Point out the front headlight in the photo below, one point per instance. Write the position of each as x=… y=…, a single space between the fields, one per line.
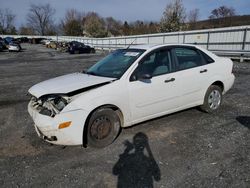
x=52 y=104
x=60 y=102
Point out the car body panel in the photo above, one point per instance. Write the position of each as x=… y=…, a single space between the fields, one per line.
x=67 y=83
x=144 y=102
x=101 y=96
x=47 y=126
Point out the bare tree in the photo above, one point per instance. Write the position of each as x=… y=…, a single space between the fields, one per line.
x=222 y=12
x=173 y=17
x=222 y=15
x=193 y=17
x=40 y=19
x=7 y=22
x=72 y=23
x=113 y=26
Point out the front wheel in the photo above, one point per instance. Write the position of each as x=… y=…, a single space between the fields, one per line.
x=103 y=127
x=213 y=99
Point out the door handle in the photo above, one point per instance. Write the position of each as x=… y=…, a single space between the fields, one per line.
x=169 y=80
x=204 y=70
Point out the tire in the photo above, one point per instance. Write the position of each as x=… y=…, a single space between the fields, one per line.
x=212 y=99
x=103 y=127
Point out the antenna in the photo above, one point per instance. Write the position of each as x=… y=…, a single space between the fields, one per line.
x=131 y=44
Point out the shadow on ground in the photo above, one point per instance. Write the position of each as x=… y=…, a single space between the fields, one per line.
x=244 y=120
x=134 y=168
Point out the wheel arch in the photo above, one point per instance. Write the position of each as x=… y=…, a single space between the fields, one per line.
x=220 y=84
x=111 y=106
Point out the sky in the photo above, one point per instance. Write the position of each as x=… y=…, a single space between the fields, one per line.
x=124 y=10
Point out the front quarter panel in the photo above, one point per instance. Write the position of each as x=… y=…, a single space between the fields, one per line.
x=72 y=135
x=114 y=93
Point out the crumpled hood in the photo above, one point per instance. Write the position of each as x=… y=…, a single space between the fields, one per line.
x=67 y=83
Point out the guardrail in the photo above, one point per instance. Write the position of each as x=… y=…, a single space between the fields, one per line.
x=230 y=41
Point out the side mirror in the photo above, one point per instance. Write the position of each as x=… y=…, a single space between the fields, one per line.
x=145 y=77
x=142 y=77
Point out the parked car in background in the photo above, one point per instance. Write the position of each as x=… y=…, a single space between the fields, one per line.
x=127 y=87
x=45 y=41
x=3 y=44
x=78 y=48
x=20 y=40
x=8 y=40
x=62 y=46
x=23 y=39
x=51 y=44
x=36 y=40
x=14 y=47
x=1 y=47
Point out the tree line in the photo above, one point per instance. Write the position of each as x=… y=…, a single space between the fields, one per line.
x=40 y=21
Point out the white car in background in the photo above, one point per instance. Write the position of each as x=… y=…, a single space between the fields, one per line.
x=46 y=41
x=127 y=87
x=13 y=47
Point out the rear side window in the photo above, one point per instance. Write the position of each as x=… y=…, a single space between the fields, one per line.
x=188 y=58
x=207 y=58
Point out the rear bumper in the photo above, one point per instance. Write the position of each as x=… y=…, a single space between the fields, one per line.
x=228 y=83
x=47 y=127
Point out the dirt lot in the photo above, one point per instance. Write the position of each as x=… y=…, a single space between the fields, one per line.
x=185 y=149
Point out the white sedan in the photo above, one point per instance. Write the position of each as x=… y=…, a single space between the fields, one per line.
x=127 y=87
x=14 y=47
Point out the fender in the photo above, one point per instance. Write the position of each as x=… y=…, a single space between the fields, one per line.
x=92 y=99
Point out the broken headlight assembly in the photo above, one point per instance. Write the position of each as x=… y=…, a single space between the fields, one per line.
x=50 y=105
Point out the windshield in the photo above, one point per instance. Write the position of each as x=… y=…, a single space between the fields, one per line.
x=115 y=64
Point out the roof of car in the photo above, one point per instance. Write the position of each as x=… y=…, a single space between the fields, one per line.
x=155 y=46
x=150 y=46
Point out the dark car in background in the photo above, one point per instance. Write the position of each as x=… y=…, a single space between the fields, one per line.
x=8 y=40
x=78 y=48
x=36 y=40
x=3 y=44
x=22 y=40
x=1 y=47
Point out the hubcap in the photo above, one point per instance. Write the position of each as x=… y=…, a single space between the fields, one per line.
x=101 y=128
x=214 y=99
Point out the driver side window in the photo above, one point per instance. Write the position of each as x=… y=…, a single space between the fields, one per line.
x=154 y=64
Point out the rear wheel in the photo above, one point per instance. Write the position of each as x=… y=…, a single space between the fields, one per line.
x=103 y=127
x=213 y=99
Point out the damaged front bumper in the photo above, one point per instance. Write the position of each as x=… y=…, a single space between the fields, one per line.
x=47 y=127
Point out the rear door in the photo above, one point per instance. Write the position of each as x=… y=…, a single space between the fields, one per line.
x=193 y=72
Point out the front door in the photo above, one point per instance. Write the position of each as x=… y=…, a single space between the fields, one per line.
x=154 y=96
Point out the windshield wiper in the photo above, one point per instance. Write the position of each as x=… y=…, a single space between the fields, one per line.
x=90 y=73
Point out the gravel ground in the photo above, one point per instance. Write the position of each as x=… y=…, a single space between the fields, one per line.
x=184 y=149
